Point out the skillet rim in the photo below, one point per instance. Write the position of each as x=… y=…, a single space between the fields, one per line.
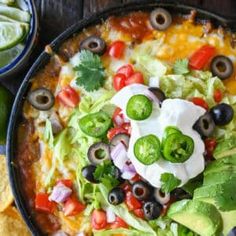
x=43 y=59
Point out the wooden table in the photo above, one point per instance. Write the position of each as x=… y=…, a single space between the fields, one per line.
x=56 y=15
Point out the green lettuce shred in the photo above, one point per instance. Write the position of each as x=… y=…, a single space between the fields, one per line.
x=48 y=134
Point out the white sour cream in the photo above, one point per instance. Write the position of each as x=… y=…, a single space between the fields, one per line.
x=174 y=112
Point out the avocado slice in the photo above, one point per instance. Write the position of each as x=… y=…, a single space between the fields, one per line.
x=201 y=217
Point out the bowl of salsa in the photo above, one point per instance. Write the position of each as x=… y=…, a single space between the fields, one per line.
x=18 y=30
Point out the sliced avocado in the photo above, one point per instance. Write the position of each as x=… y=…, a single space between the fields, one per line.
x=218 y=177
x=201 y=217
x=209 y=191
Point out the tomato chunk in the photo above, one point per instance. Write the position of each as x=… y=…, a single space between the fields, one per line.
x=126 y=70
x=218 y=95
x=118 y=117
x=139 y=213
x=201 y=57
x=136 y=78
x=210 y=145
x=67 y=182
x=119 y=81
x=200 y=102
x=114 y=131
x=116 y=49
x=42 y=203
x=119 y=223
x=68 y=97
x=132 y=202
x=99 y=219
x=73 y=207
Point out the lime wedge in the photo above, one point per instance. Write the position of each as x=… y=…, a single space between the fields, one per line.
x=7 y=56
x=7 y=1
x=15 y=13
x=10 y=34
x=7 y=19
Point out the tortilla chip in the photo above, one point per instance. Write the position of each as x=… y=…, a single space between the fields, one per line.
x=11 y=223
x=6 y=197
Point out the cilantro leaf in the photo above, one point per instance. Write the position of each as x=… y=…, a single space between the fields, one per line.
x=181 y=67
x=106 y=173
x=90 y=71
x=169 y=182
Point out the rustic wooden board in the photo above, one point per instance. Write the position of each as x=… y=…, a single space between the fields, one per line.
x=56 y=15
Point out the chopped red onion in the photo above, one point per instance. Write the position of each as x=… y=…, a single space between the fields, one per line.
x=119 y=121
x=111 y=217
x=128 y=171
x=81 y=234
x=119 y=155
x=60 y=193
x=152 y=96
x=60 y=233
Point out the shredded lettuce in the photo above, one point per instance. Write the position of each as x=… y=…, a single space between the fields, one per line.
x=196 y=84
x=146 y=61
x=48 y=134
x=123 y=231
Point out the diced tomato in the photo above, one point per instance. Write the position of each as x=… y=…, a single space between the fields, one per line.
x=119 y=223
x=67 y=182
x=68 y=97
x=119 y=81
x=99 y=219
x=139 y=213
x=116 y=49
x=114 y=131
x=132 y=202
x=126 y=187
x=136 y=178
x=218 y=95
x=42 y=203
x=73 y=207
x=136 y=78
x=200 y=102
x=201 y=57
x=126 y=70
x=127 y=127
x=210 y=145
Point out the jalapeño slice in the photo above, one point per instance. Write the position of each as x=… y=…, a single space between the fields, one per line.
x=177 y=148
x=147 y=149
x=96 y=124
x=139 y=107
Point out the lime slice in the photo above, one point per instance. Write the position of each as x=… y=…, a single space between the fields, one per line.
x=7 y=19
x=15 y=13
x=10 y=34
x=5 y=108
x=7 y=1
x=7 y=56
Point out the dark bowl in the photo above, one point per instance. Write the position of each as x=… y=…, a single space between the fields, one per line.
x=19 y=63
x=43 y=59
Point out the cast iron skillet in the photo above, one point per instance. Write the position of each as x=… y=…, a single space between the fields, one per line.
x=146 y=5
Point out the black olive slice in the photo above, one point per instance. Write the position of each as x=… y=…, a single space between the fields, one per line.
x=160 y=19
x=205 y=125
x=124 y=138
x=116 y=196
x=180 y=194
x=232 y=232
x=158 y=93
x=222 y=67
x=98 y=153
x=41 y=99
x=222 y=114
x=94 y=44
x=161 y=197
x=141 y=190
x=88 y=172
x=152 y=210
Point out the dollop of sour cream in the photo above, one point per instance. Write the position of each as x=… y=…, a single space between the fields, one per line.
x=173 y=112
